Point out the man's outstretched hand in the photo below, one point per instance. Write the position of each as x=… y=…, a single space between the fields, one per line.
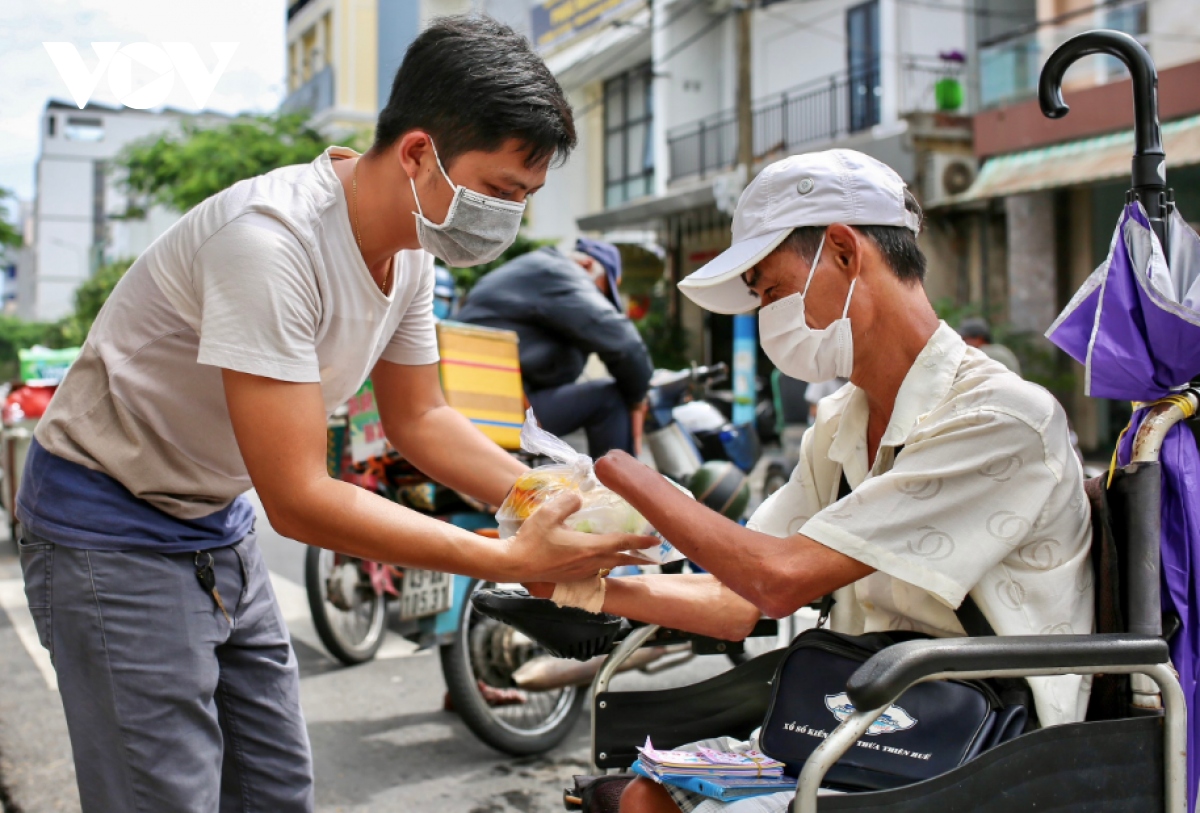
x=670 y=511
x=545 y=550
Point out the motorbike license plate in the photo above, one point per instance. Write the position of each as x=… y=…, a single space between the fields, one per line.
x=425 y=592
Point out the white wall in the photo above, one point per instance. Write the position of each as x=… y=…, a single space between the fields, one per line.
x=64 y=234
x=64 y=205
x=1174 y=32
x=701 y=75
x=575 y=188
x=796 y=43
x=923 y=32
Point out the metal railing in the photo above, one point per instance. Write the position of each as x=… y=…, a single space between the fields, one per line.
x=822 y=110
x=314 y=95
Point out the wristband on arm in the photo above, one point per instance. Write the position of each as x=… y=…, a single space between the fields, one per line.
x=586 y=594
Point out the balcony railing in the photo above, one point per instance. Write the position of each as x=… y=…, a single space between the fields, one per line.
x=314 y=95
x=823 y=110
x=1009 y=65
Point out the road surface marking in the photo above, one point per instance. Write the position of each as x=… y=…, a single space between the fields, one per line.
x=293 y=602
x=12 y=599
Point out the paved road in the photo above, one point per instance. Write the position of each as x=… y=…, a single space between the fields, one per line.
x=381 y=741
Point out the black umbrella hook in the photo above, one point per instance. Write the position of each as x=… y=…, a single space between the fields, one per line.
x=1149 y=173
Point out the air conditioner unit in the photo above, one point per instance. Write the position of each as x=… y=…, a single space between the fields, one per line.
x=947 y=175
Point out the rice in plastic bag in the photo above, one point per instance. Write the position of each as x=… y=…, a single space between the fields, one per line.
x=603 y=510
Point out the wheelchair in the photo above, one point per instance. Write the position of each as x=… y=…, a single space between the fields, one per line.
x=1128 y=755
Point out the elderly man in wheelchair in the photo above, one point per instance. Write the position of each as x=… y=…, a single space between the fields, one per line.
x=937 y=493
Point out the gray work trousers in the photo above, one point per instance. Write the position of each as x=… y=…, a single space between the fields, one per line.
x=170 y=707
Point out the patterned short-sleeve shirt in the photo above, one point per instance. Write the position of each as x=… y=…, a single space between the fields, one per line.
x=975 y=489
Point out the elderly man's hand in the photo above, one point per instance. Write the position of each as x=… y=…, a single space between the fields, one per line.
x=621 y=471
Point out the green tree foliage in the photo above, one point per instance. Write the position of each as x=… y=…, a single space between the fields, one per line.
x=10 y=233
x=182 y=169
x=665 y=338
x=17 y=334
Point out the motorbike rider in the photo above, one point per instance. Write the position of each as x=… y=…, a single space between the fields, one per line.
x=213 y=367
x=564 y=308
x=962 y=477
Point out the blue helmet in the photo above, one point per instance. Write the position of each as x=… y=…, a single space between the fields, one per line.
x=444 y=294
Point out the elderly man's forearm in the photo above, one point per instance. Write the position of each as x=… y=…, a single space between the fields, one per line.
x=693 y=603
x=777 y=575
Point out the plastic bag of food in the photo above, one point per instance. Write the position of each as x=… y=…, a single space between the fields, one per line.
x=603 y=510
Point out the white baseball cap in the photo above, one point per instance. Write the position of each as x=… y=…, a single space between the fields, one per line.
x=813 y=189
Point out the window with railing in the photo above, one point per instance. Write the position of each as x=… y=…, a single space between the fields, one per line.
x=1009 y=64
x=628 y=140
x=821 y=110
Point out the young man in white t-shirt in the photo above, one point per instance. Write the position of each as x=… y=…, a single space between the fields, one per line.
x=213 y=368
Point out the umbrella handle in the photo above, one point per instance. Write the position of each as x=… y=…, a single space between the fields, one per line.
x=1149 y=173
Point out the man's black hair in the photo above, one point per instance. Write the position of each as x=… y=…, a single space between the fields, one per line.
x=897 y=244
x=472 y=83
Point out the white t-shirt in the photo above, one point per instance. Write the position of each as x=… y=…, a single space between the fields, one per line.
x=262 y=278
x=986 y=497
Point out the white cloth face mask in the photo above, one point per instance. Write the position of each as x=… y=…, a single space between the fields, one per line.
x=800 y=351
x=477 y=229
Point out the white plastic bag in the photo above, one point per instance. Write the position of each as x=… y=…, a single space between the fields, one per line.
x=603 y=510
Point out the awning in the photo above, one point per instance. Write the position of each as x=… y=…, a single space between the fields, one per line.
x=648 y=212
x=1075 y=163
x=579 y=63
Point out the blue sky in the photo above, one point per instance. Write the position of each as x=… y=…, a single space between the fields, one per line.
x=254 y=80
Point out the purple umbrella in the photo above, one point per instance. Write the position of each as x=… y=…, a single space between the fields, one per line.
x=1135 y=327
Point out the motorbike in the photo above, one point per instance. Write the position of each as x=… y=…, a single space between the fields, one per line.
x=508 y=690
x=693 y=443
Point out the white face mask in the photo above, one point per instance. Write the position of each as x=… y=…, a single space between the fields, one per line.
x=800 y=351
x=477 y=227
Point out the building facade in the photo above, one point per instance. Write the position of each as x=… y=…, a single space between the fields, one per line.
x=79 y=216
x=343 y=54
x=655 y=86
x=1042 y=211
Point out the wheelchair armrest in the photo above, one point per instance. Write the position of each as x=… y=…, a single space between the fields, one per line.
x=764 y=628
x=887 y=674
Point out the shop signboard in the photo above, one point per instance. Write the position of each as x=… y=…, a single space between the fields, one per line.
x=557 y=23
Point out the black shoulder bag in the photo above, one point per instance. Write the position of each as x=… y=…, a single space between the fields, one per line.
x=930 y=729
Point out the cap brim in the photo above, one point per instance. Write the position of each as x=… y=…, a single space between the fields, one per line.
x=718 y=286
